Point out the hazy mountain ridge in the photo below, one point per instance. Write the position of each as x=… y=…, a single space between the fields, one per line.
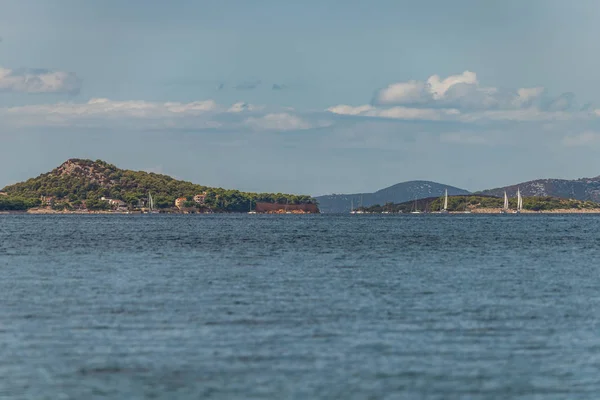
x=579 y=189
x=398 y=193
x=583 y=189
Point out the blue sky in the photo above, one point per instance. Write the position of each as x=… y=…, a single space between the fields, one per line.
x=313 y=97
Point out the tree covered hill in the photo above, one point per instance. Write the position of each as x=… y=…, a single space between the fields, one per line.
x=79 y=181
x=398 y=193
x=475 y=202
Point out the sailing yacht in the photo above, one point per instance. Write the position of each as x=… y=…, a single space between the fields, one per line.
x=360 y=210
x=505 y=207
x=151 y=208
x=352 y=211
x=445 y=209
x=415 y=210
x=286 y=206
x=519 y=202
x=250 y=210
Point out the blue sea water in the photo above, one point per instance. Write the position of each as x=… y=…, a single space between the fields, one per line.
x=300 y=307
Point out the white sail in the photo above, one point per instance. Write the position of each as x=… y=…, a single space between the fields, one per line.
x=505 y=201
x=151 y=208
x=446 y=200
x=519 y=200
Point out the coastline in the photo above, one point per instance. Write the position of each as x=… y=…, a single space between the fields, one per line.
x=473 y=211
x=556 y=211
x=49 y=211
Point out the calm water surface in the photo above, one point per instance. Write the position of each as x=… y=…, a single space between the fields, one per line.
x=296 y=307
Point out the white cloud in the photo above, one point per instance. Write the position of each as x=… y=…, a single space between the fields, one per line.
x=438 y=87
x=583 y=139
x=464 y=92
x=411 y=92
x=434 y=89
x=344 y=109
x=525 y=115
x=526 y=96
x=407 y=113
x=38 y=81
x=278 y=122
x=131 y=114
x=461 y=98
x=142 y=114
x=105 y=108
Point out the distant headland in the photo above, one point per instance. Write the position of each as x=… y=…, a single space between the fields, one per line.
x=485 y=204
x=586 y=190
x=86 y=186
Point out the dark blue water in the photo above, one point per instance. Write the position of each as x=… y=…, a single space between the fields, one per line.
x=300 y=307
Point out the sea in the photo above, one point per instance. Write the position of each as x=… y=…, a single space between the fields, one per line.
x=299 y=307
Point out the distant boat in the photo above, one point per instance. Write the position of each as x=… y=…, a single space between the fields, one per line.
x=286 y=206
x=415 y=208
x=360 y=210
x=445 y=209
x=151 y=209
x=352 y=207
x=505 y=207
x=519 y=202
x=250 y=211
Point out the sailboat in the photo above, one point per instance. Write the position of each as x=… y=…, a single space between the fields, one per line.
x=360 y=210
x=505 y=206
x=415 y=210
x=151 y=209
x=352 y=207
x=287 y=201
x=519 y=202
x=445 y=209
x=250 y=211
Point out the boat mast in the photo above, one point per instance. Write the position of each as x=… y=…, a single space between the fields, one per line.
x=446 y=201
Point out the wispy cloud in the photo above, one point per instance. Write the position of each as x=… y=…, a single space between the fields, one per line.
x=278 y=122
x=38 y=81
x=197 y=115
x=278 y=86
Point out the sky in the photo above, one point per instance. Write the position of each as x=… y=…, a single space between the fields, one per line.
x=312 y=97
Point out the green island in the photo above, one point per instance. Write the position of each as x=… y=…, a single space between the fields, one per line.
x=97 y=186
x=485 y=204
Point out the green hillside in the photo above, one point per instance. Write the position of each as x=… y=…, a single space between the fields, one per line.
x=84 y=182
x=474 y=202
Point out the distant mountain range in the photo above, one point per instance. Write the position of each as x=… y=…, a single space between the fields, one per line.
x=399 y=193
x=584 y=189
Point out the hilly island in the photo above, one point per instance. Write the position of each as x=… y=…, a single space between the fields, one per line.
x=80 y=185
x=485 y=204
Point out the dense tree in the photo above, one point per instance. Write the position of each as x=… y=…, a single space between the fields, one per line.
x=8 y=203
